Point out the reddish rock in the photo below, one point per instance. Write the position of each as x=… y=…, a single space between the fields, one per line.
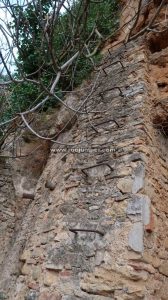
x=151 y=226
x=66 y=273
x=144 y=267
x=33 y=285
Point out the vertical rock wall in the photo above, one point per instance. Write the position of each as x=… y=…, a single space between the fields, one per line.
x=108 y=192
x=18 y=179
x=7 y=207
x=97 y=228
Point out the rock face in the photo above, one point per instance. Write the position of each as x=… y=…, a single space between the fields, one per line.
x=99 y=230
x=7 y=207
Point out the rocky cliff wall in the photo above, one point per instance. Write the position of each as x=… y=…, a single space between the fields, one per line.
x=97 y=226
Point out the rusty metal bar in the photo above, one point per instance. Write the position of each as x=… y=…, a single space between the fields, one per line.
x=93 y=127
x=104 y=72
x=109 y=52
x=115 y=87
x=75 y=230
x=113 y=63
x=28 y=196
x=94 y=166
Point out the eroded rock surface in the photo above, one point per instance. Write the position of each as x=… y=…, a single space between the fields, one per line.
x=97 y=228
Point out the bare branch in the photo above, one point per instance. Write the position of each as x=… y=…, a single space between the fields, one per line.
x=150 y=23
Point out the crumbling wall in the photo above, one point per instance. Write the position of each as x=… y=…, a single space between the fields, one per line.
x=97 y=228
x=7 y=207
x=106 y=191
x=18 y=178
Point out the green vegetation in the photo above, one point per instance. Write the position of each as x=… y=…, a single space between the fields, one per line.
x=41 y=60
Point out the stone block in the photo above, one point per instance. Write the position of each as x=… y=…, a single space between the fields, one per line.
x=125 y=185
x=140 y=205
x=135 y=240
x=26 y=269
x=25 y=255
x=50 y=277
x=146 y=210
x=138 y=182
x=163 y=269
x=2 y=296
x=32 y=295
x=36 y=272
x=54 y=267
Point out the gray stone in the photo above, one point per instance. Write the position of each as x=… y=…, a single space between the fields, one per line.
x=54 y=267
x=2 y=199
x=138 y=182
x=140 y=205
x=146 y=210
x=94 y=207
x=135 y=240
x=66 y=209
x=135 y=157
x=32 y=295
x=134 y=89
x=125 y=185
x=99 y=258
x=134 y=207
x=2 y=296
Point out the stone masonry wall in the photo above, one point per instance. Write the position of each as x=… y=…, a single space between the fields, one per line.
x=109 y=189
x=97 y=228
x=17 y=177
x=6 y=207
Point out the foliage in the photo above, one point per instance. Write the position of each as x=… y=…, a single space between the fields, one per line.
x=30 y=54
x=35 y=54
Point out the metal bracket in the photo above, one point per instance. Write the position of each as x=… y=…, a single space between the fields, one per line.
x=116 y=62
x=75 y=230
x=94 y=166
x=115 y=87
